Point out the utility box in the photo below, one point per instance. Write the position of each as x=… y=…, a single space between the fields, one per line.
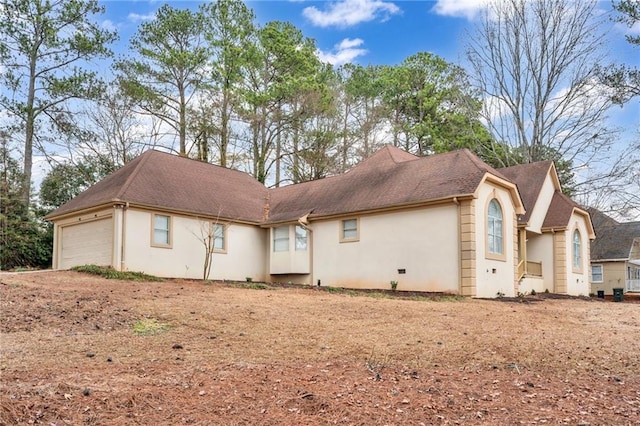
x=618 y=294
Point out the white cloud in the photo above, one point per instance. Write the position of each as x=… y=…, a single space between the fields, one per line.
x=346 y=13
x=460 y=8
x=344 y=52
x=108 y=25
x=135 y=17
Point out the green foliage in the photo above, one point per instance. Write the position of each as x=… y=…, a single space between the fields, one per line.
x=394 y=285
x=112 y=274
x=43 y=45
x=147 y=326
x=25 y=241
x=629 y=15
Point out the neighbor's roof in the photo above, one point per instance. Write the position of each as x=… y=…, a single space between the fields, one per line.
x=157 y=179
x=613 y=240
x=529 y=178
x=389 y=178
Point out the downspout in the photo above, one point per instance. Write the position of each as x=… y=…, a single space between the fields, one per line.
x=459 y=242
x=123 y=263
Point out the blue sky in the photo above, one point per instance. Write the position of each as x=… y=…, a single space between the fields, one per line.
x=383 y=32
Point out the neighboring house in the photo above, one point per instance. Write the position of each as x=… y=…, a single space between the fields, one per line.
x=615 y=254
x=444 y=223
x=553 y=235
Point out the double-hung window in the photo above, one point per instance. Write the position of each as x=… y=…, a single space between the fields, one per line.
x=219 y=237
x=281 y=238
x=596 y=273
x=301 y=238
x=161 y=230
x=349 y=231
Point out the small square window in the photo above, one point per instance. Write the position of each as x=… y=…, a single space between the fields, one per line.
x=161 y=230
x=349 y=230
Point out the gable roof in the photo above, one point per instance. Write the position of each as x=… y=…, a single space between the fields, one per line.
x=529 y=178
x=614 y=240
x=560 y=211
x=158 y=179
x=389 y=178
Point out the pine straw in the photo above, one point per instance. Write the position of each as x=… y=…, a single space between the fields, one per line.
x=294 y=356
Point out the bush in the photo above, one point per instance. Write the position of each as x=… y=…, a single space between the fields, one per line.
x=112 y=274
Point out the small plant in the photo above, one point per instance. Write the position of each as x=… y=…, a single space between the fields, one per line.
x=533 y=292
x=546 y=290
x=249 y=279
x=500 y=294
x=394 y=285
x=148 y=326
x=112 y=274
x=522 y=295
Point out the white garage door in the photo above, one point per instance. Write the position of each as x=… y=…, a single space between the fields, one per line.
x=89 y=243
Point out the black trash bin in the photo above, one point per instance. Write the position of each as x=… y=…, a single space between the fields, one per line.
x=600 y=294
x=618 y=294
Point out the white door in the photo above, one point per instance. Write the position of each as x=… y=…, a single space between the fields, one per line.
x=89 y=243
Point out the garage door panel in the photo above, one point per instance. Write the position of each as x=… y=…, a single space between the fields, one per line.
x=87 y=243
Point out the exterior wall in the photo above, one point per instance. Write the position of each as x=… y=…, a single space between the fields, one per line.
x=561 y=265
x=60 y=225
x=495 y=276
x=540 y=209
x=244 y=257
x=614 y=275
x=424 y=242
x=578 y=279
x=531 y=283
x=540 y=249
x=291 y=261
x=468 y=247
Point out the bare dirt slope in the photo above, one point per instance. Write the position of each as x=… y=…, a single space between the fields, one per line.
x=70 y=354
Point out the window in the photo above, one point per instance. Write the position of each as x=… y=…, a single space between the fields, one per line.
x=349 y=230
x=301 y=238
x=161 y=230
x=577 y=250
x=494 y=228
x=281 y=238
x=596 y=273
x=219 y=240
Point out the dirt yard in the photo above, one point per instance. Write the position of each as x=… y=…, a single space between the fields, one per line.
x=80 y=350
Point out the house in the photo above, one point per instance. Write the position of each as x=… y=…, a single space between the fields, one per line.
x=444 y=223
x=615 y=254
x=553 y=234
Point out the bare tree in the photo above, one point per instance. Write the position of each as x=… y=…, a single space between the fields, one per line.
x=536 y=63
x=213 y=234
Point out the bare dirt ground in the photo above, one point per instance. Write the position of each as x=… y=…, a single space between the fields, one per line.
x=73 y=351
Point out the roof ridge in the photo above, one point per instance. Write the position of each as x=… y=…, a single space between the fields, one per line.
x=143 y=159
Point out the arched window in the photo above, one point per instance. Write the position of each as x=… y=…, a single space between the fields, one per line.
x=494 y=228
x=577 y=250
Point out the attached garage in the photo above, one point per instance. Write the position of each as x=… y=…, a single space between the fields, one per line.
x=86 y=243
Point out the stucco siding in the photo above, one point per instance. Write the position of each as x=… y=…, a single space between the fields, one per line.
x=536 y=219
x=540 y=249
x=578 y=278
x=423 y=242
x=495 y=276
x=244 y=257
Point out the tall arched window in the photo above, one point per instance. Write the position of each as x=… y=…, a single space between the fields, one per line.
x=494 y=228
x=577 y=250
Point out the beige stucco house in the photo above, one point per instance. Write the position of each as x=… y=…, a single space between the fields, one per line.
x=615 y=255
x=444 y=223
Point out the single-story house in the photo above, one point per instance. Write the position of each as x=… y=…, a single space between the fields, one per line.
x=615 y=254
x=444 y=223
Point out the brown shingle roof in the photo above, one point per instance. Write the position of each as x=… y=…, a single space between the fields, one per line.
x=163 y=180
x=529 y=178
x=560 y=210
x=389 y=178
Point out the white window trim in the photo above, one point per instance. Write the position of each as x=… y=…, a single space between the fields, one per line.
x=576 y=268
x=306 y=238
x=224 y=238
x=501 y=255
x=601 y=273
